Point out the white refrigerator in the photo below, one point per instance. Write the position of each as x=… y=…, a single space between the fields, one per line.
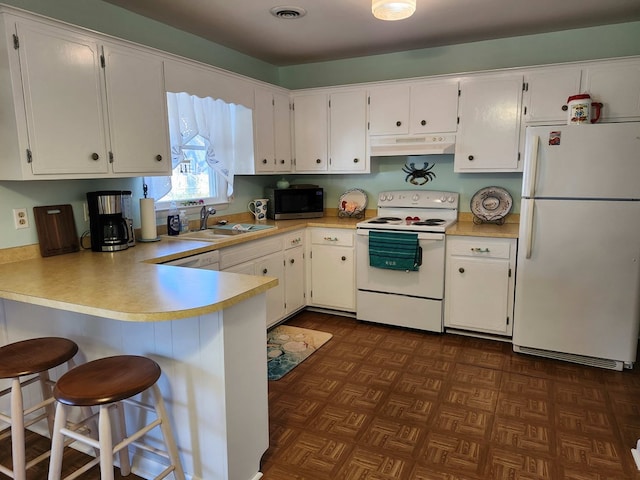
x=578 y=269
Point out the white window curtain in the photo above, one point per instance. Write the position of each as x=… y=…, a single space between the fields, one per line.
x=214 y=120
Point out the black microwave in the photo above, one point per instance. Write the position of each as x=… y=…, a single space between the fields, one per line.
x=297 y=201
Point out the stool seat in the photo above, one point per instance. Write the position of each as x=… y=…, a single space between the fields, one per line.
x=23 y=364
x=106 y=380
x=109 y=384
x=35 y=355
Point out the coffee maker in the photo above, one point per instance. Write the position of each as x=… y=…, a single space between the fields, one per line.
x=110 y=220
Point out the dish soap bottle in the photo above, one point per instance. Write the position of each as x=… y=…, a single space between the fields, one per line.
x=184 y=222
x=173 y=220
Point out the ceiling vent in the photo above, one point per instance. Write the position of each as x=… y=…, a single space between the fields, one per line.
x=288 y=13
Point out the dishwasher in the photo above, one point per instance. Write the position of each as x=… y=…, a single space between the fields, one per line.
x=205 y=261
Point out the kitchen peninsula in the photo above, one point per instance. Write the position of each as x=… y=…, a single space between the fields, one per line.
x=204 y=328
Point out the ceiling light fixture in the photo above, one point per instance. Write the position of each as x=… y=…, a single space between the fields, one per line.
x=393 y=9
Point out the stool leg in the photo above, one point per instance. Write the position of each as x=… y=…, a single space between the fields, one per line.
x=57 y=443
x=45 y=388
x=106 y=444
x=169 y=440
x=17 y=431
x=125 y=463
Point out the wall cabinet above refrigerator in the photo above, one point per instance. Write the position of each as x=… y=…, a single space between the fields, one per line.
x=614 y=83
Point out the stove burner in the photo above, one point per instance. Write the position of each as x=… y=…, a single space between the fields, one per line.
x=385 y=220
x=430 y=222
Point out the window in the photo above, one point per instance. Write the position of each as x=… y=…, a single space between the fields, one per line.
x=208 y=139
x=193 y=179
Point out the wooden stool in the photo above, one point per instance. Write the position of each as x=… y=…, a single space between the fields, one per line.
x=30 y=357
x=108 y=383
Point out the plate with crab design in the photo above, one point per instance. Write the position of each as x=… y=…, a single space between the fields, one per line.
x=491 y=204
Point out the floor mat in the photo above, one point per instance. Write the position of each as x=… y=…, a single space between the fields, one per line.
x=287 y=347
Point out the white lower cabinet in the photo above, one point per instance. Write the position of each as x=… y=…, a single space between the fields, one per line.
x=332 y=269
x=294 y=292
x=479 y=284
x=281 y=257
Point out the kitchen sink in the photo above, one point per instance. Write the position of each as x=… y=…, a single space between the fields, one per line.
x=216 y=234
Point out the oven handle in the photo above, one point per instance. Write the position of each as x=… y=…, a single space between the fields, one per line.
x=421 y=235
x=419 y=256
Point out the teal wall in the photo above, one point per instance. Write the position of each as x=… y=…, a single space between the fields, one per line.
x=112 y=20
x=581 y=44
x=387 y=174
x=570 y=45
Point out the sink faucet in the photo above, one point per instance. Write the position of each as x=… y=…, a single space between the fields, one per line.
x=204 y=216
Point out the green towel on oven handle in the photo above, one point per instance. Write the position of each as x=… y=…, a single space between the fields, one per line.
x=394 y=251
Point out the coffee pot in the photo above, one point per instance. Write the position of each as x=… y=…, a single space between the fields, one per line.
x=110 y=229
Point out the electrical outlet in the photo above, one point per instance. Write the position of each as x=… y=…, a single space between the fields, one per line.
x=20 y=218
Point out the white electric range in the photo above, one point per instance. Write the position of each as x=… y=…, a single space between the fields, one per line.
x=410 y=298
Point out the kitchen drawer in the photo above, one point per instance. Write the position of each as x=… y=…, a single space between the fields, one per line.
x=338 y=237
x=294 y=239
x=248 y=251
x=479 y=247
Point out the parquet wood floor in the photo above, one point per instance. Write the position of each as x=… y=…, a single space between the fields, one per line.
x=73 y=460
x=385 y=403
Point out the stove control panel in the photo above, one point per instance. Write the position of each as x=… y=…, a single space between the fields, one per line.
x=418 y=198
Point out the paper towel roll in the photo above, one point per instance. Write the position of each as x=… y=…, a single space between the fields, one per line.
x=149 y=229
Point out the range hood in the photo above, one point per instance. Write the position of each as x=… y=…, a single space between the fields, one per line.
x=392 y=145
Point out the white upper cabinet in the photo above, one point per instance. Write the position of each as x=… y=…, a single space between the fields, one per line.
x=311 y=132
x=348 y=131
x=69 y=115
x=415 y=108
x=389 y=110
x=137 y=107
x=330 y=132
x=546 y=94
x=60 y=75
x=434 y=107
x=272 y=131
x=616 y=84
x=489 y=128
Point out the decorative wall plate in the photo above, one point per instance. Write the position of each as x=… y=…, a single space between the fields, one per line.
x=491 y=204
x=352 y=203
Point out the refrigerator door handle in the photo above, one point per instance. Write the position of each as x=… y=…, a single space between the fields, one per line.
x=531 y=169
x=527 y=209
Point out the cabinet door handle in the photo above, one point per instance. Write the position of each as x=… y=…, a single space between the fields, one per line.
x=355 y=160
x=470 y=158
x=264 y=161
x=331 y=239
x=158 y=158
x=264 y=271
x=565 y=108
x=480 y=250
x=282 y=161
x=461 y=270
x=292 y=261
x=344 y=258
x=95 y=156
x=398 y=123
x=423 y=123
